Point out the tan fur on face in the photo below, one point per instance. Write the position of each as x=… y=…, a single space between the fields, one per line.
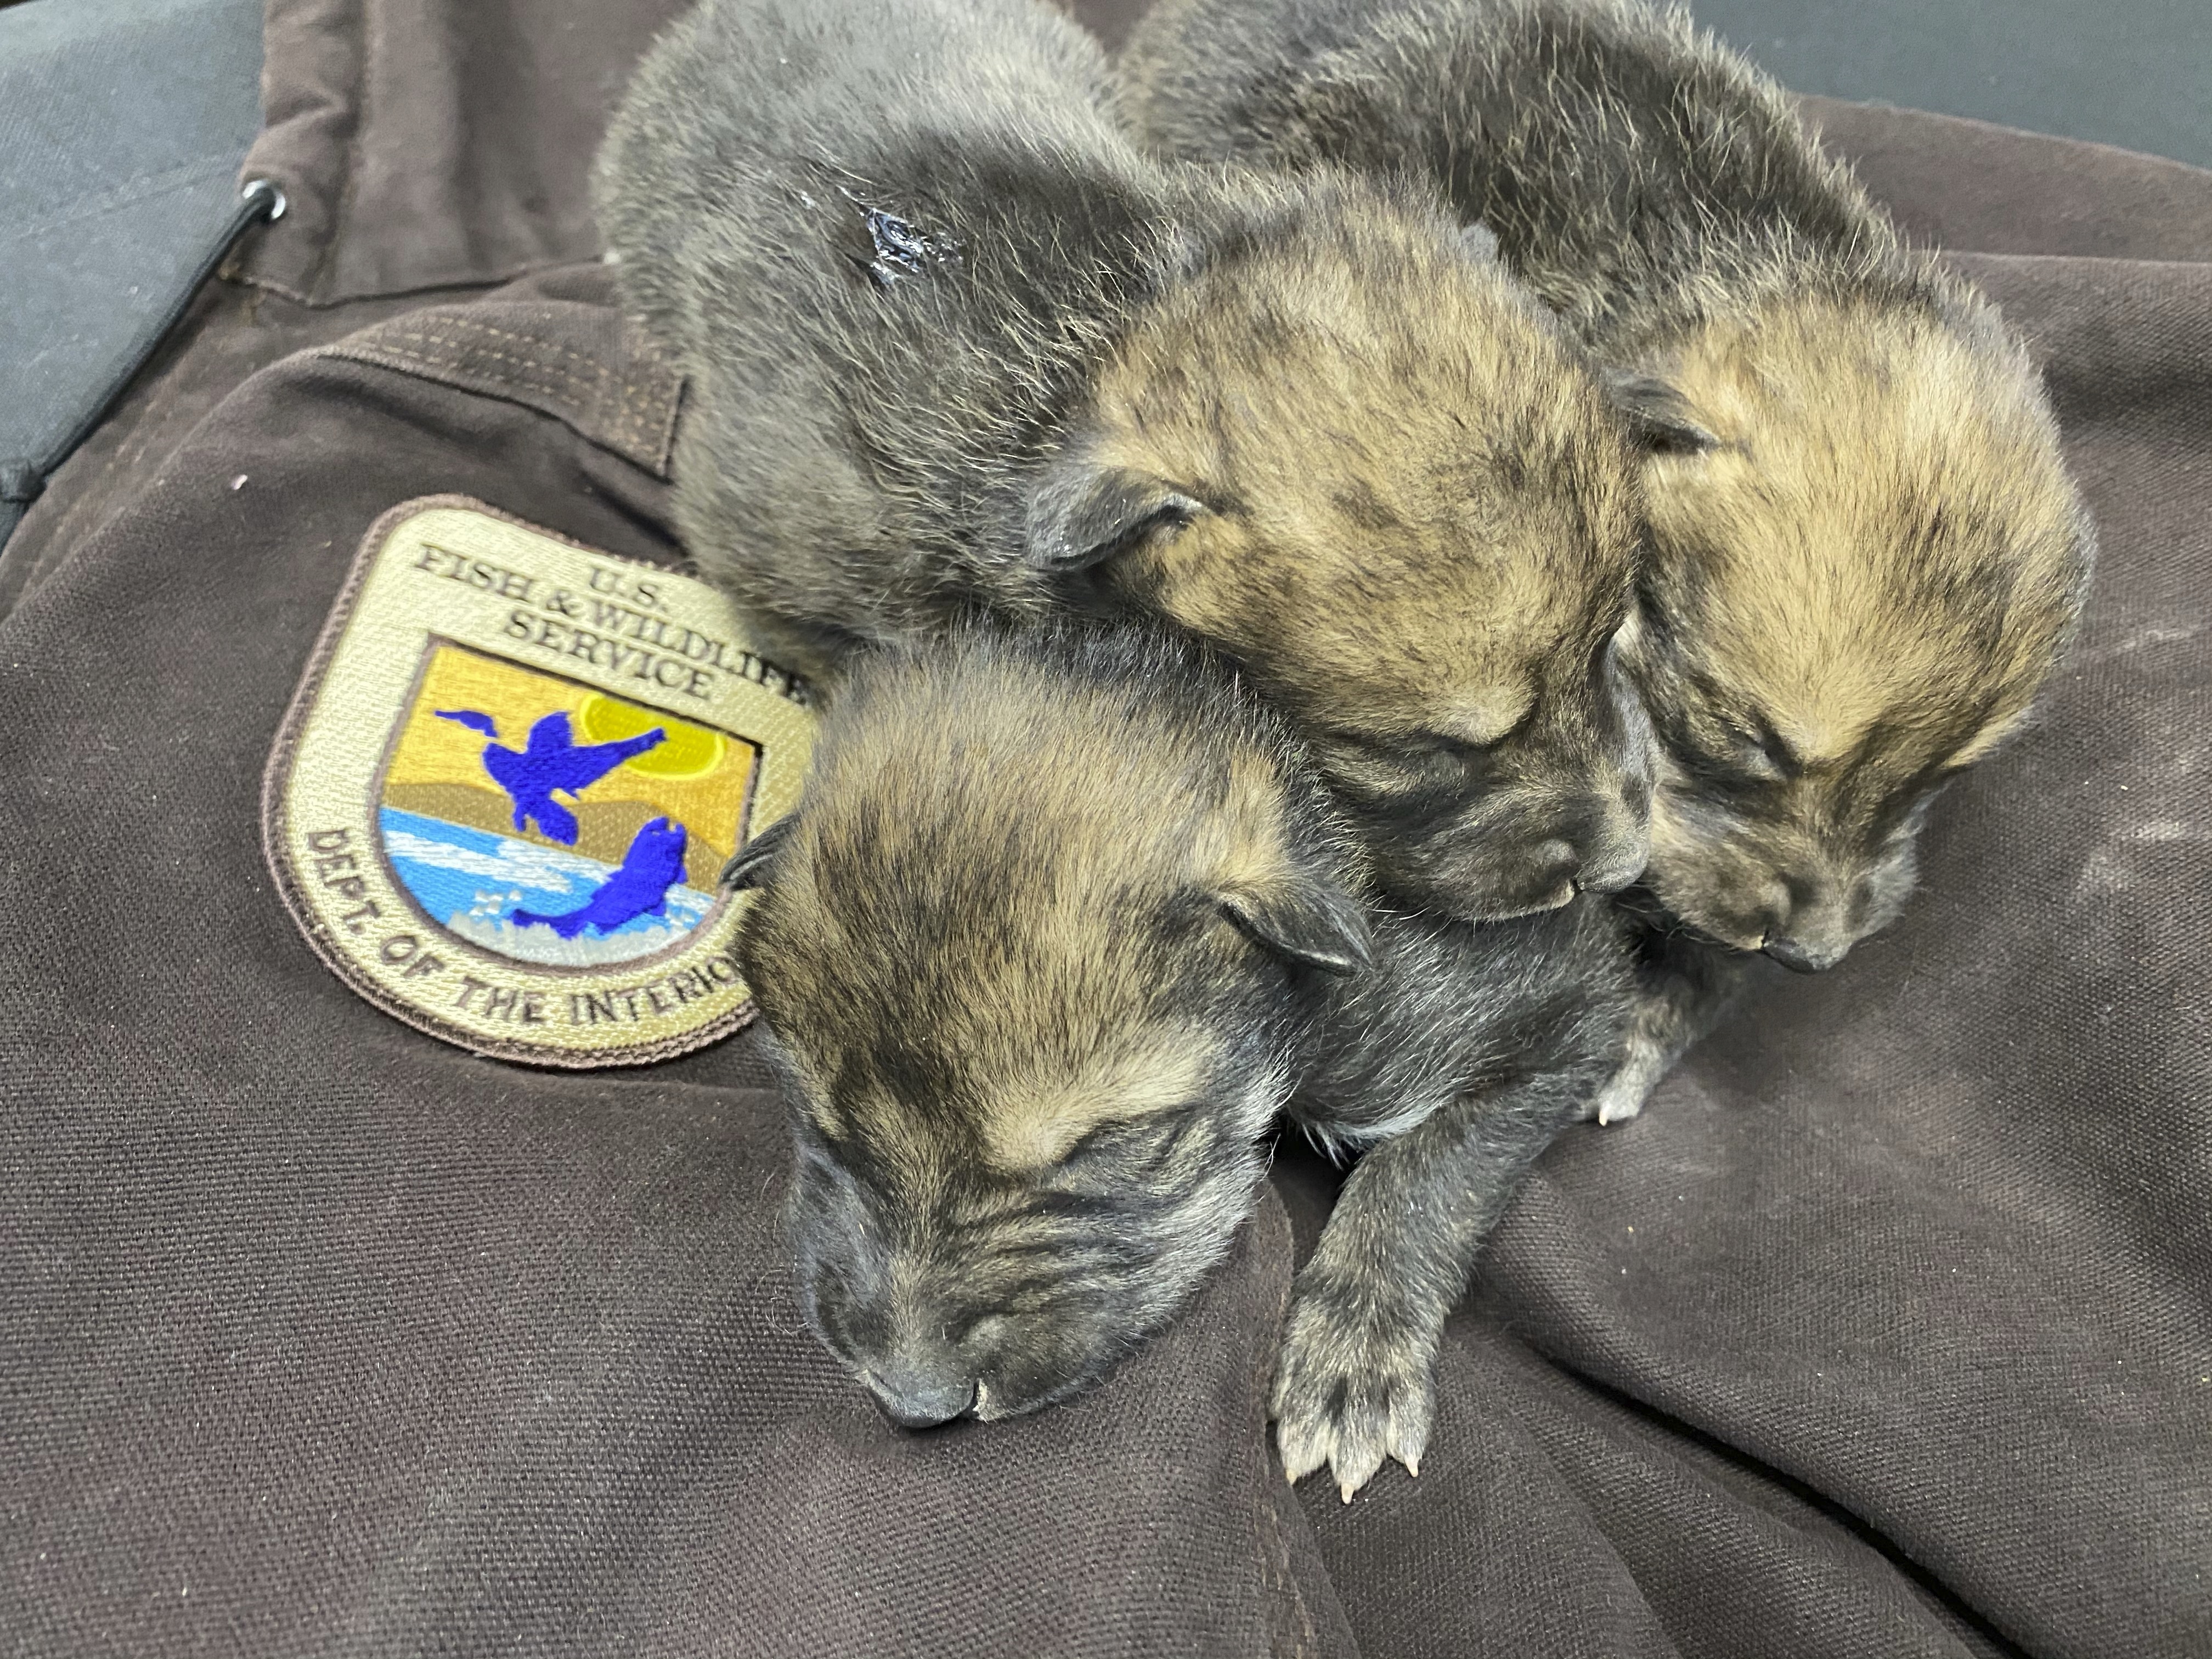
x=1035 y=1003
x=1036 y=1124
x=1872 y=469
x=1867 y=582
x=1419 y=499
x=1877 y=564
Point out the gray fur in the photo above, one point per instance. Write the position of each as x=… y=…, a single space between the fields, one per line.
x=1869 y=414
x=1056 y=833
x=1481 y=1043
x=930 y=302
x=863 y=432
x=1636 y=175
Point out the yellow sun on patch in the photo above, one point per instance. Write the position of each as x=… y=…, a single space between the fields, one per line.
x=687 y=751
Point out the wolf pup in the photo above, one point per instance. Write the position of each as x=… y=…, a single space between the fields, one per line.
x=953 y=344
x=1061 y=922
x=1867 y=553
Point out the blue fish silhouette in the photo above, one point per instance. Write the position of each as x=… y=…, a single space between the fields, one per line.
x=653 y=864
x=552 y=760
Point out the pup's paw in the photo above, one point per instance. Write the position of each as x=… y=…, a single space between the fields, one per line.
x=1349 y=1391
x=1623 y=1096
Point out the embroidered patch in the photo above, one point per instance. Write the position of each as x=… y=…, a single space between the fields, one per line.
x=508 y=785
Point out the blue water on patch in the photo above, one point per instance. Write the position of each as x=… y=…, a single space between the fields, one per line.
x=473 y=881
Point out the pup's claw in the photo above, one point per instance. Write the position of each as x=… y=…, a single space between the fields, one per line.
x=1350 y=1392
x=1303 y=1451
x=1616 y=1104
x=1354 y=1462
x=1627 y=1089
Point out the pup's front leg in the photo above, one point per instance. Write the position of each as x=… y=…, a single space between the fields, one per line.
x=1354 y=1384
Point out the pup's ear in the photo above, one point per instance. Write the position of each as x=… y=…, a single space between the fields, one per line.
x=1303 y=918
x=1480 y=241
x=750 y=868
x=1658 y=416
x=1085 y=513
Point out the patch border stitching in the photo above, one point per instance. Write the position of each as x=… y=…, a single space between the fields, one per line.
x=276 y=829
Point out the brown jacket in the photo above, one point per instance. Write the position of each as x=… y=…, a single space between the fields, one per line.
x=1883 y=1332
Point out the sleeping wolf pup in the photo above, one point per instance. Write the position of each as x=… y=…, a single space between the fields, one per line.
x=1062 y=921
x=1866 y=552
x=952 y=342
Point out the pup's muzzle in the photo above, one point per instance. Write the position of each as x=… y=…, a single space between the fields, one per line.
x=918 y=1402
x=1800 y=957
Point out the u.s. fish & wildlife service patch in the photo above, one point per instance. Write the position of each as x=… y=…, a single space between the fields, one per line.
x=508 y=782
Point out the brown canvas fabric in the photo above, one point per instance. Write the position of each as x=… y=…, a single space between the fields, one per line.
x=324 y=1336
x=1885 y=1332
x=1958 y=183
x=425 y=143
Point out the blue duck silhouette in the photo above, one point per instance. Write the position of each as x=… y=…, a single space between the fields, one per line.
x=551 y=760
x=653 y=864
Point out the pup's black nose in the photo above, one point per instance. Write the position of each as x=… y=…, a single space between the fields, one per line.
x=921 y=1405
x=1800 y=958
x=1610 y=868
x=1548 y=875
x=1614 y=847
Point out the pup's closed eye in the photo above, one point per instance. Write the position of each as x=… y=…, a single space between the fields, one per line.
x=1738 y=749
x=1446 y=745
x=1760 y=751
x=1117 y=1157
x=1396 y=749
